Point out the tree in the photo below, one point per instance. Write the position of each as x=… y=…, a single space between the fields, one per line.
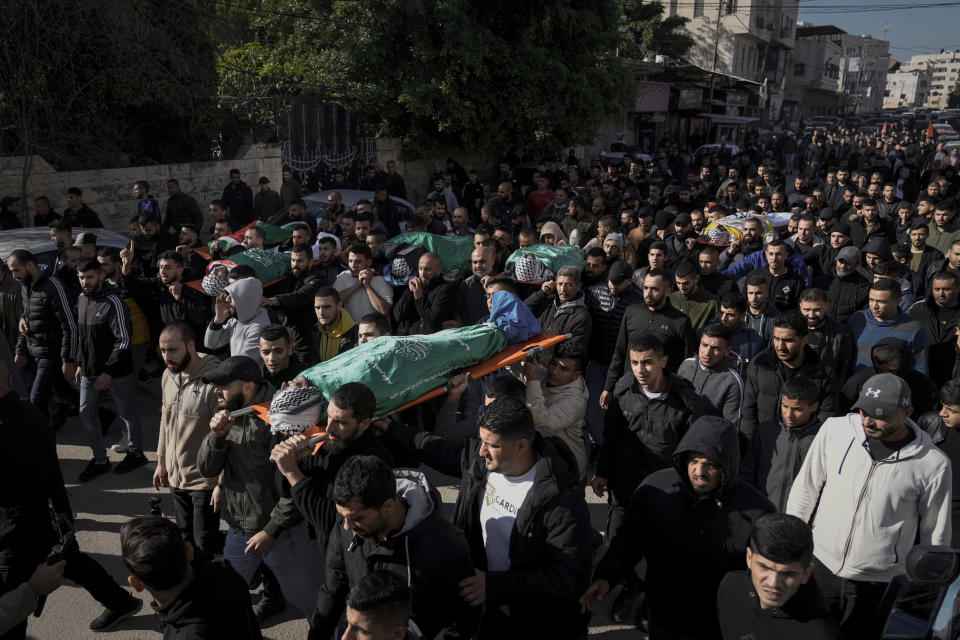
x=107 y=83
x=647 y=33
x=443 y=74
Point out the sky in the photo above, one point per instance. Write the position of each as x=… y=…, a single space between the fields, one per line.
x=911 y=30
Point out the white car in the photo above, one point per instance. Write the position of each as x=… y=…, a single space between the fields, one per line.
x=37 y=241
x=317 y=202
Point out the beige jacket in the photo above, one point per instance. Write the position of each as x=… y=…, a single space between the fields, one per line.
x=562 y=410
x=188 y=406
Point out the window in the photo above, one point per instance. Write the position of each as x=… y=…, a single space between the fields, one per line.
x=799 y=69
x=697 y=8
x=673 y=8
x=731 y=6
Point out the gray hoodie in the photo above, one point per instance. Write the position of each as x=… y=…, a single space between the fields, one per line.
x=242 y=331
x=720 y=388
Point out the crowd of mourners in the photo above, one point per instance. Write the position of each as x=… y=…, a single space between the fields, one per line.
x=770 y=417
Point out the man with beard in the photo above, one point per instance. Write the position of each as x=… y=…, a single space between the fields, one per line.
x=829 y=338
x=751 y=242
x=471 y=293
x=262 y=526
x=104 y=362
x=429 y=300
x=296 y=299
x=393 y=520
x=47 y=328
x=939 y=313
x=194 y=265
x=149 y=244
x=188 y=406
x=595 y=268
x=561 y=307
x=165 y=297
x=309 y=479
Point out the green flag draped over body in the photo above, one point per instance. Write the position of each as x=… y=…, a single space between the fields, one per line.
x=268 y=265
x=554 y=258
x=454 y=251
x=399 y=369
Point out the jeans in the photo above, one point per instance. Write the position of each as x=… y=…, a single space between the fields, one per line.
x=47 y=369
x=295 y=559
x=198 y=522
x=596 y=377
x=852 y=603
x=123 y=390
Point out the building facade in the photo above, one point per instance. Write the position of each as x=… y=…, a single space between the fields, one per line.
x=945 y=75
x=908 y=88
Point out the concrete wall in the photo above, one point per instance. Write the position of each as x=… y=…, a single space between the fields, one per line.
x=109 y=192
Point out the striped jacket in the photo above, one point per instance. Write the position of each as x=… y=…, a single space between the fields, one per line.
x=103 y=334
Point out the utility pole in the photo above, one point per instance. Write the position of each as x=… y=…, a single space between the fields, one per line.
x=716 y=55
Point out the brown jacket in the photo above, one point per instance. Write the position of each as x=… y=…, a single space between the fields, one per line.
x=188 y=406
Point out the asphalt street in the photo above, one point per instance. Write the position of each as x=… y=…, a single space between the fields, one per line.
x=104 y=504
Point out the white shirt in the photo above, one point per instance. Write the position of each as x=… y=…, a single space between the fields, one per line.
x=359 y=303
x=498 y=514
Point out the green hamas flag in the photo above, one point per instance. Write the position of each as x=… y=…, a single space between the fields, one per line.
x=274 y=236
x=399 y=369
x=454 y=251
x=554 y=258
x=269 y=265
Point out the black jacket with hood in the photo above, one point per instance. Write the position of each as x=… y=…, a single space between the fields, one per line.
x=774 y=457
x=923 y=392
x=765 y=377
x=215 y=605
x=640 y=434
x=690 y=541
x=428 y=553
x=550 y=544
x=804 y=617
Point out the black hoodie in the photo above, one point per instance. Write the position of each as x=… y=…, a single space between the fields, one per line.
x=428 y=553
x=923 y=392
x=689 y=541
x=215 y=605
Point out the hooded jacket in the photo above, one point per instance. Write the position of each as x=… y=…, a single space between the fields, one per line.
x=774 y=457
x=923 y=392
x=870 y=513
x=940 y=325
x=683 y=534
x=215 y=605
x=428 y=553
x=550 y=545
x=867 y=331
x=241 y=332
x=103 y=334
x=670 y=325
x=804 y=617
x=641 y=434
x=252 y=501
x=720 y=388
x=188 y=404
x=554 y=229
x=562 y=317
x=764 y=381
x=49 y=315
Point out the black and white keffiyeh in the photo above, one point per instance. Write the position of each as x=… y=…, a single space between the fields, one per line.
x=295 y=410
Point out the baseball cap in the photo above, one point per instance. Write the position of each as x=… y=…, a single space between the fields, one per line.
x=849 y=255
x=828 y=213
x=882 y=394
x=232 y=369
x=85 y=238
x=619 y=272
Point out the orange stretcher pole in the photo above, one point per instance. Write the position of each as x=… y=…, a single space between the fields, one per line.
x=511 y=355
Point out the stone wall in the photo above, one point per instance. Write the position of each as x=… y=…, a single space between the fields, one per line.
x=417 y=172
x=109 y=192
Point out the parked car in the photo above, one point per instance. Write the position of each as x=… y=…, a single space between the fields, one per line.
x=37 y=241
x=317 y=205
x=924 y=602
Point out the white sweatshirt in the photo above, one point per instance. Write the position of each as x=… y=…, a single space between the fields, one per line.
x=871 y=512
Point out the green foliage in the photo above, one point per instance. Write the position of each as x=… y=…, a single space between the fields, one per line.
x=647 y=32
x=439 y=74
x=107 y=83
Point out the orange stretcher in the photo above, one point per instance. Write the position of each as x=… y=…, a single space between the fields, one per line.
x=511 y=355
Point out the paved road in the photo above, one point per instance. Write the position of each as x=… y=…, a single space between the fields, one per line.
x=108 y=501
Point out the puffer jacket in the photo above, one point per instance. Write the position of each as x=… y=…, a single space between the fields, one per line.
x=681 y=533
x=764 y=380
x=242 y=332
x=557 y=317
x=941 y=325
x=847 y=295
x=49 y=315
x=641 y=434
x=188 y=404
x=428 y=553
x=103 y=334
x=252 y=500
x=720 y=388
x=870 y=513
x=774 y=456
